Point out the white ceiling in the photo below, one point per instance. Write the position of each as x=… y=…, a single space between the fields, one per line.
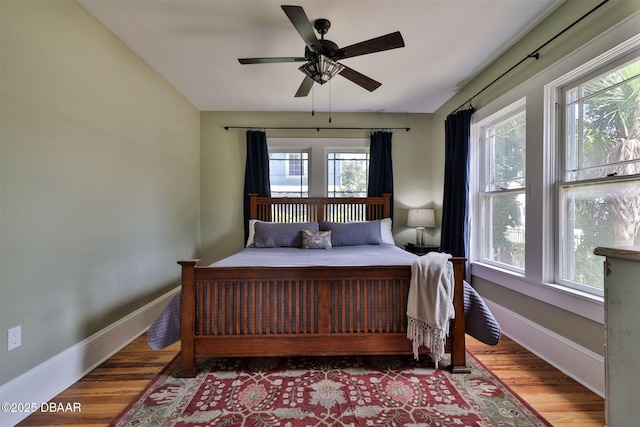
x=194 y=45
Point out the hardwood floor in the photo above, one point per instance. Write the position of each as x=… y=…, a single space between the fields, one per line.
x=108 y=389
x=558 y=398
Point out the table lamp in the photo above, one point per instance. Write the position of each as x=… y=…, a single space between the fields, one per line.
x=421 y=219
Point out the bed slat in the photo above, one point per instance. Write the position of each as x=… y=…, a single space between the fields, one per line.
x=336 y=209
x=312 y=306
x=226 y=308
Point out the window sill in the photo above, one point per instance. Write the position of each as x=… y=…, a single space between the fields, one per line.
x=580 y=303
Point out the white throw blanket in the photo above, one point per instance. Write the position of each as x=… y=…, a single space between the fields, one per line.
x=430 y=303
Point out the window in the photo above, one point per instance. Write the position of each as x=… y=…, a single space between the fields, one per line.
x=599 y=190
x=289 y=173
x=347 y=173
x=501 y=169
x=577 y=110
x=318 y=167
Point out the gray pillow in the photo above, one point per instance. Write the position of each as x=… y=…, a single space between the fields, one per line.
x=281 y=235
x=353 y=233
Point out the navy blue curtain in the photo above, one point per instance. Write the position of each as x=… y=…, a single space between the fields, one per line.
x=380 y=166
x=455 y=233
x=256 y=173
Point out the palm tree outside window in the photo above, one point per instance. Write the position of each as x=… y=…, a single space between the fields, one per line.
x=599 y=193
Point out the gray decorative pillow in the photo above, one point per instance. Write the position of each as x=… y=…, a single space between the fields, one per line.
x=281 y=235
x=316 y=239
x=353 y=233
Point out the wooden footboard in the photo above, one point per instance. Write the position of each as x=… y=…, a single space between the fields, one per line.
x=302 y=311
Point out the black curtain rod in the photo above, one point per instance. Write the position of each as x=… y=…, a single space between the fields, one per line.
x=310 y=128
x=535 y=54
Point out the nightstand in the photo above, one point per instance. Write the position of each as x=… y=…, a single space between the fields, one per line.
x=420 y=250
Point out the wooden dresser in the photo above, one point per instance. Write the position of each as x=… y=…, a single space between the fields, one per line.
x=622 y=329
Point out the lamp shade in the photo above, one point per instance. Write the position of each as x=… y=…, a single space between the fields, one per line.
x=423 y=218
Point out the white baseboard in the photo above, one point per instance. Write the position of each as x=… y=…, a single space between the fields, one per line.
x=579 y=363
x=42 y=383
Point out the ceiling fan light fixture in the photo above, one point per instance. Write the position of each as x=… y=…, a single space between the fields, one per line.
x=321 y=69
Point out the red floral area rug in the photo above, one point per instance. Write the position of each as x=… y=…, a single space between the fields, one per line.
x=328 y=391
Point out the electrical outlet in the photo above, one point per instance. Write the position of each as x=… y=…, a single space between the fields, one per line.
x=14 y=338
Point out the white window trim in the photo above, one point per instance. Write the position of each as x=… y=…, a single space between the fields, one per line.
x=342 y=149
x=288 y=150
x=538 y=284
x=574 y=301
x=477 y=144
x=553 y=92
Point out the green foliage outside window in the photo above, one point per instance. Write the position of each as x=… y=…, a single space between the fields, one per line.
x=603 y=141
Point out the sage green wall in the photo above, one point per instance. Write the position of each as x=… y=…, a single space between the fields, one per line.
x=223 y=155
x=99 y=180
x=576 y=328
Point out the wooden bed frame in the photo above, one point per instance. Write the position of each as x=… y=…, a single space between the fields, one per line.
x=305 y=311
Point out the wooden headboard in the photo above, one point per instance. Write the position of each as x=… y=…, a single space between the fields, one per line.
x=306 y=209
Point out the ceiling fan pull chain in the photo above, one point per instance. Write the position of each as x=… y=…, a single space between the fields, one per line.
x=313 y=101
x=329 y=101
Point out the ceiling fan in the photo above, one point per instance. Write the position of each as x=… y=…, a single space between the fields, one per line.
x=321 y=56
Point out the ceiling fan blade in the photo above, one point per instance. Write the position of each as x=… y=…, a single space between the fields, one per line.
x=305 y=87
x=378 y=44
x=360 y=79
x=299 y=19
x=272 y=60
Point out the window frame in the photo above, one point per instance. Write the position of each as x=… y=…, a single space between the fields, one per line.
x=482 y=166
x=542 y=167
x=559 y=89
x=289 y=151
x=348 y=150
